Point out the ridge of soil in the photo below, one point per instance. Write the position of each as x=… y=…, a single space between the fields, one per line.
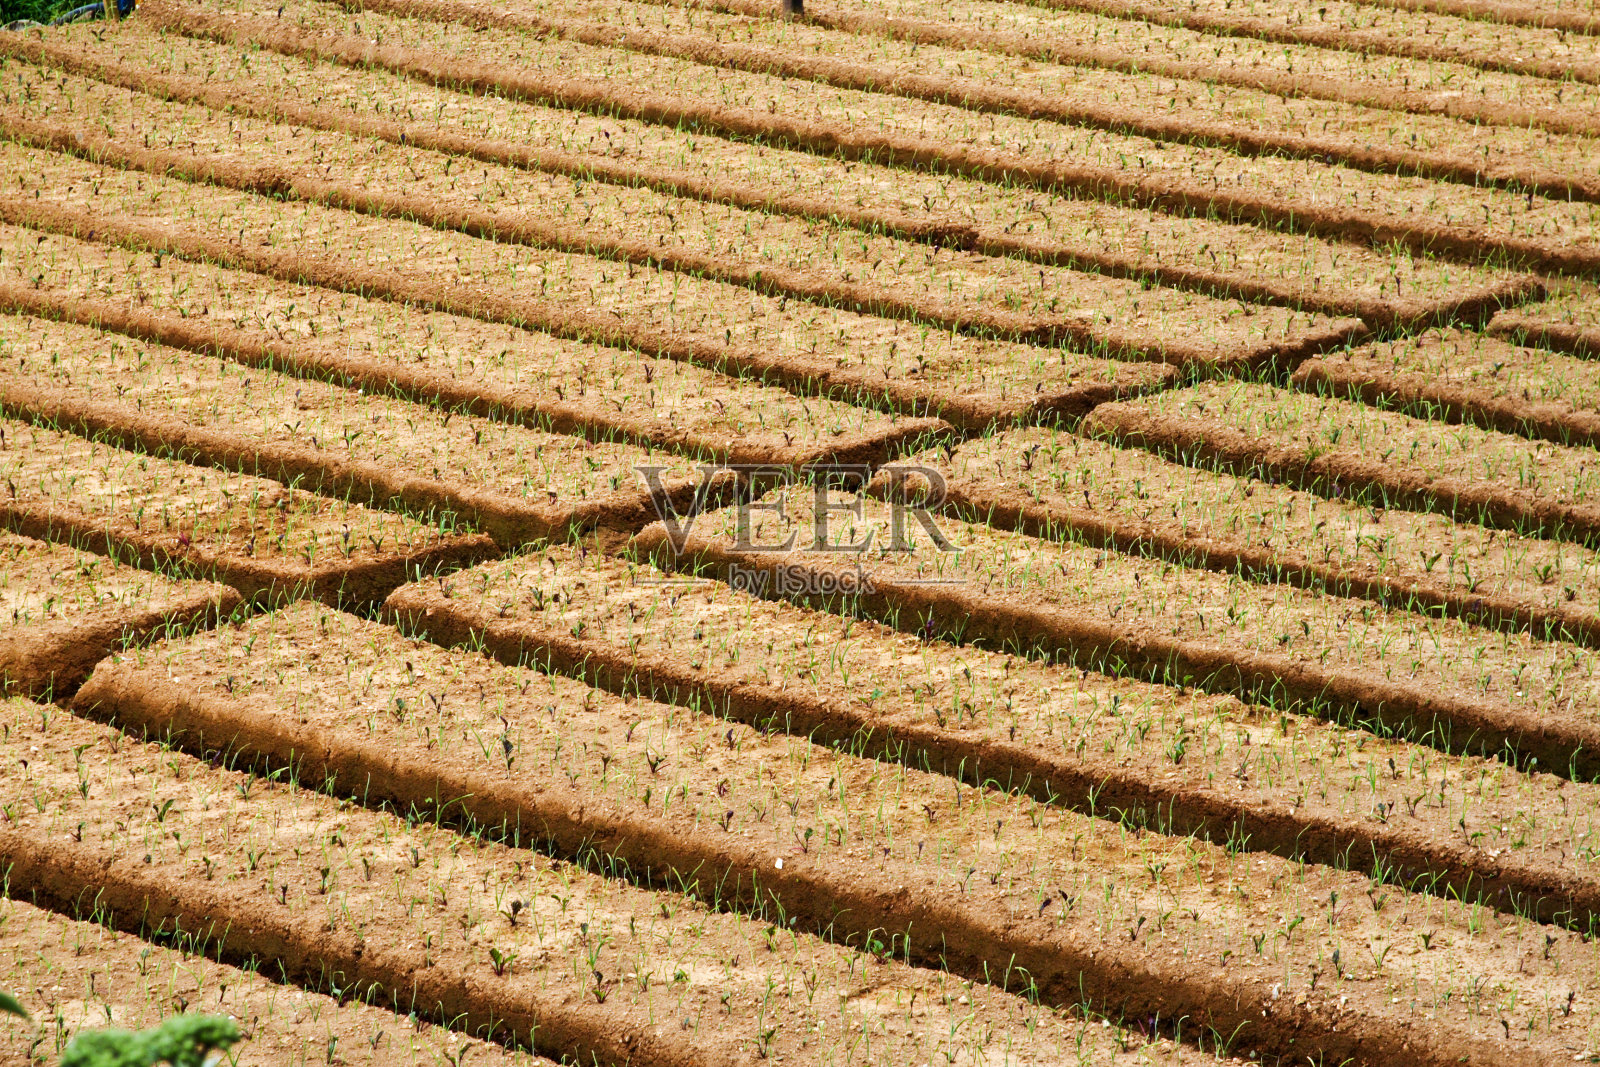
x=1382 y=376
x=307 y=357
x=50 y=656
x=765 y=277
x=364 y=582
x=1066 y=964
x=416 y=937
x=1075 y=52
x=1226 y=448
x=363 y=577
x=1379 y=43
x=1463 y=303
x=1501 y=11
x=1525 y=328
x=978 y=95
x=509 y=520
x=989 y=500
x=77 y=977
x=820 y=376
x=827 y=138
x=139 y=899
x=1073 y=633
x=1076 y=778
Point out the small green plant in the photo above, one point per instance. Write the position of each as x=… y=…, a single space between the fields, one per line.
x=182 y=1041
x=501 y=961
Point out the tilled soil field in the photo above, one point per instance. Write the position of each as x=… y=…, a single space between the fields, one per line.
x=679 y=533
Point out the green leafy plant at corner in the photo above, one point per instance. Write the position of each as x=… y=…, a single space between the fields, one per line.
x=31 y=10
x=182 y=1041
x=11 y=1006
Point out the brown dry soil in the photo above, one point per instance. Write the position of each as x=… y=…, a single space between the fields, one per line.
x=1549 y=233
x=330 y=894
x=1452 y=683
x=515 y=484
x=69 y=609
x=456 y=725
x=1468 y=377
x=810 y=348
x=1229 y=720
x=776 y=255
x=1384 y=458
x=73 y=976
x=1092 y=40
x=1381 y=285
x=1356 y=26
x=1574 y=16
x=1173 y=760
x=263 y=538
x=1193 y=110
x=1050 y=483
x=445 y=360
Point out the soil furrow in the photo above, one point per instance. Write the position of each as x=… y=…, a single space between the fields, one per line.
x=963 y=27
x=400 y=912
x=1530 y=329
x=1439 y=680
x=266 y=540
x=898 y=72
x=1568 y=322
x=587 y=299
x=534 y=380
x=853 y=884
x=516 y=485
x=1287 y=23
x=100 y=881
x=1046 y=483
x=990 y=719
x=77 y=977
x=69 y=610
x=1577 y=20
x=1333 y=447
x=1468 y=378
x=968 y=294
x=1382 y=289
x=1457 y=237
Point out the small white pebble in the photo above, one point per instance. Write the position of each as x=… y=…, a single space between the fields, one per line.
x=778 y=863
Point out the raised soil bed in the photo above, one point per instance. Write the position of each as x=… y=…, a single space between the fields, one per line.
x=1468 y=377
x=1545 y=233
x=63 y=609
x=456 y=725
x=1382 y=285
x=1383 y=458
x=1050 y=483
x=514 y=483
x=75 y=975
x=1173 y=760
x=966 y=380
x=265 y=539
x=495 y=940
x=779 y=256
x=445 y=361
x=1440 y=679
